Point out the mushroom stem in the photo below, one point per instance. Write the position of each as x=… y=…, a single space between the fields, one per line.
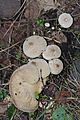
x=41 y=77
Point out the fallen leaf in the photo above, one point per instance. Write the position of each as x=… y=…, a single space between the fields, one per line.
x=3 y=107
x=48 y=4
x=61 y=114
x=32 y=11
x=59 y=37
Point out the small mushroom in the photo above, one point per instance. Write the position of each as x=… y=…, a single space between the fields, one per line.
x=47 y=24
x=34 y=45
x=22 y=88
x=42 y=66
x=65 y=20
x=56 y=66
x=51 y=52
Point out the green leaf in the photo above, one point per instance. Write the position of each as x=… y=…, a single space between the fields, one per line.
x=11 y=112
x=18 y=56
x=31 y=114
x=61 y=114
x=3 y=94
x=40 y=22
x=37 y=95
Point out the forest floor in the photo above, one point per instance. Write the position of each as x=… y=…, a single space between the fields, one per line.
x=61 y=90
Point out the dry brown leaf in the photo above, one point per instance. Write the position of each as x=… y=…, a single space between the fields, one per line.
x=59 y=37
x=3 y=107
x=32 y=10
x=48 y=4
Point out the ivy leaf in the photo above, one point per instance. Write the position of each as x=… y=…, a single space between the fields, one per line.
x=11 y=111
x=61 y=114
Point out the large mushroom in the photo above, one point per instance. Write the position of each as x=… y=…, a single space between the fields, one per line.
x=42 y=66
x=26 y=72
x=23 y=85
x=56 y=66
x=22 y=96
x=51 y=52
x=65 y=20
x=34 y=45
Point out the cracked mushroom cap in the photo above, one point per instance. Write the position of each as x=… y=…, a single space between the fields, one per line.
x=42 y=66
x=22 y=95
x=34 y=45
x=22 y=92
x=65 y=20
x=56 y=66
x=52 y=52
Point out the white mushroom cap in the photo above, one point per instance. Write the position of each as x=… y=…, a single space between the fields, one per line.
x=34 y=45
x=51 y=52
x=56 y=66
x=65 y=20
x=28 y=73
x=47 y=24
x=42 y=66
x=22 y=95
x=22 y=89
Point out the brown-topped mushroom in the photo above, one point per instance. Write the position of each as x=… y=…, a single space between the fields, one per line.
x=42 y=66
x=56 y=66
x=51 y=52
x=34 y=45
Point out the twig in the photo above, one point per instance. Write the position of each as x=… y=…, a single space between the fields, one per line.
x=13 y=115
x=3 y=50
x=49 y=39
x=15 y=19
x=75 y=37
x=7 y=67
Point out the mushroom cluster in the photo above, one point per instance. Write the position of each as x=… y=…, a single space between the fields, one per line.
x=30 y=78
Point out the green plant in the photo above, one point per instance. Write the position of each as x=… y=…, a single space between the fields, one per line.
x=3 y=94
x=40 y=22
x=60 y=114
x=11 y=112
